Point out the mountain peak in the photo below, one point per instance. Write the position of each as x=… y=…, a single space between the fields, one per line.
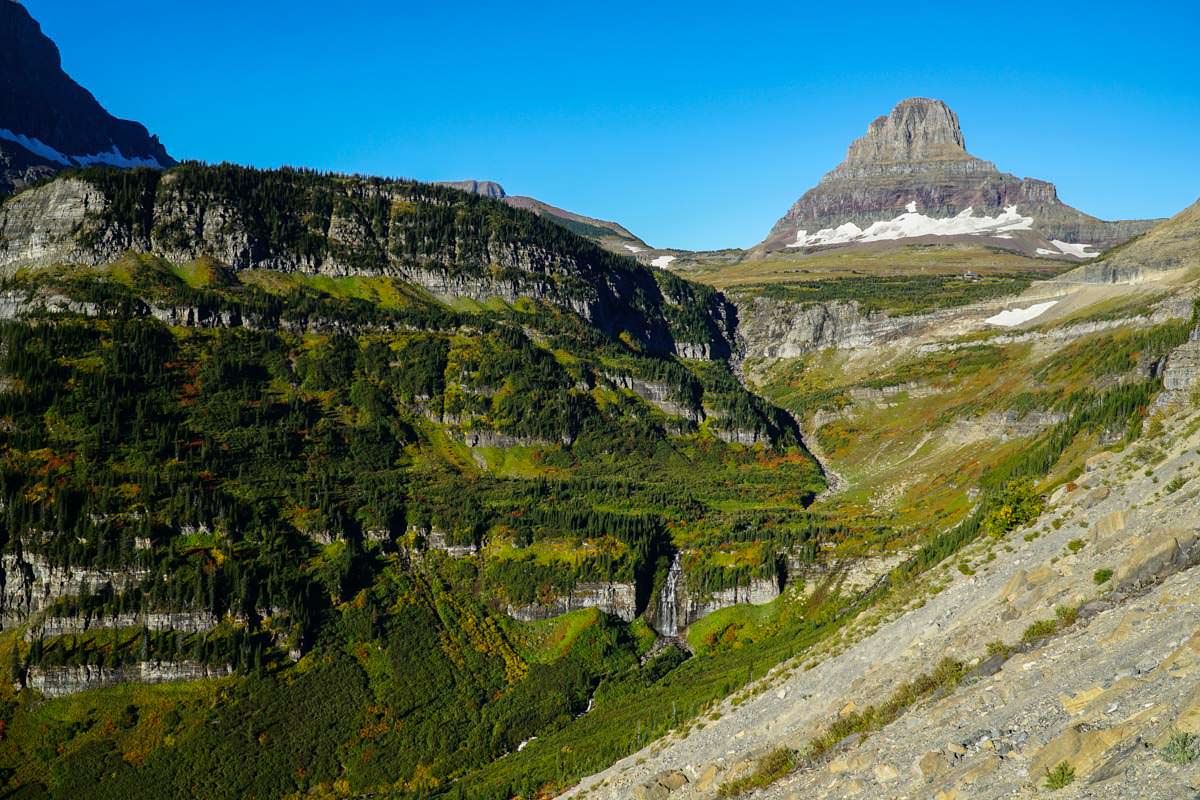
x=48 y=121
x=910 y=176
x=917 y=129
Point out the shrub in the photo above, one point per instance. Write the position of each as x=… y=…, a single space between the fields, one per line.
x=773 y=766
x=1066 y=615
x=1175 y=484
x=998 y=648
x=1075 y=545
x=1040 y=629
x=1101 y=576
x=1181 y=748
x=1060 y=776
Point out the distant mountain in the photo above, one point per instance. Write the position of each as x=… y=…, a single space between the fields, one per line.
x=48 y=122
x=1170 y=245
x=609 y=235
x=911 y=176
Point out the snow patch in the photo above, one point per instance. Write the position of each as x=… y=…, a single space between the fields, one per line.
x=912 y=207
x=1041 y=251
x=113 y=158
x=35 y=146
x=633 y=249
x=1077 y=250
x=523 y=744
x=1015 y=316
x=912 y=223
x=662 y=261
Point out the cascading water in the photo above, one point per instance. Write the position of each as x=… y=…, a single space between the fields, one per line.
x=668 y=623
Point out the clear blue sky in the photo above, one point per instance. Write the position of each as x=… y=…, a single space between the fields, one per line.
x=694 y=124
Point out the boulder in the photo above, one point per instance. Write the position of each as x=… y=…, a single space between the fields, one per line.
x=1108 y=526
x=1155 y=556
x=886 y=773
x=930 y=765
x=1096 y=496
x=673 y=779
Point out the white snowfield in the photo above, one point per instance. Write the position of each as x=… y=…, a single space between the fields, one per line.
x=1015 y=316
x=633 y=249
x=913 y=223
x=113 y=158
x=1077 y=250
x=662 y=261
x=1067 y=249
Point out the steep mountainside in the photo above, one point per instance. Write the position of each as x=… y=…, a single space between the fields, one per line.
x=1173 y=245
x=399 y=472
x=47 y=121
x=1035 y=458
x=911 y=176
x=452 y=243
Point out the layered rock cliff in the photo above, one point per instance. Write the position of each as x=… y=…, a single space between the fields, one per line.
x=914 y=161
x=450 y=243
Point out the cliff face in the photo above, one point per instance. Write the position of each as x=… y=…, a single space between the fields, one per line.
x=914 y=161
x=48 y=122
x=453 y=244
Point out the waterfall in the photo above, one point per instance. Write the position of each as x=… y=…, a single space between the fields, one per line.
x=668 y=623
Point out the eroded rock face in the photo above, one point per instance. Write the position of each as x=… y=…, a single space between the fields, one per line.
x=30 y=585
x=917 y=155
x=618 y=599
x=1181 y=375
x=455 y=246
x=62 y=681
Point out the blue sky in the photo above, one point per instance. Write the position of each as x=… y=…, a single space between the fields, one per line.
x=695 y=125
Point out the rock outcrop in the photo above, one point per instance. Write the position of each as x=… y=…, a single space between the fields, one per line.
x=483 y=188
x=62 y=681
x=31 y=585
x=48 y=122
x=914 y=161
x=618 y=599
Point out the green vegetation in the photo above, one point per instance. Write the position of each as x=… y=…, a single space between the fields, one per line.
x=1101 y=576
x=770 y=768
x=1064 y=616
x=897 y=295
x=1181 y=748
x=943 y=678
x=355 y=480
x=1060 y=777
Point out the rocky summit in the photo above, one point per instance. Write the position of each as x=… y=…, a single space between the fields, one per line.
x=48 y=122
x=911 y=176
